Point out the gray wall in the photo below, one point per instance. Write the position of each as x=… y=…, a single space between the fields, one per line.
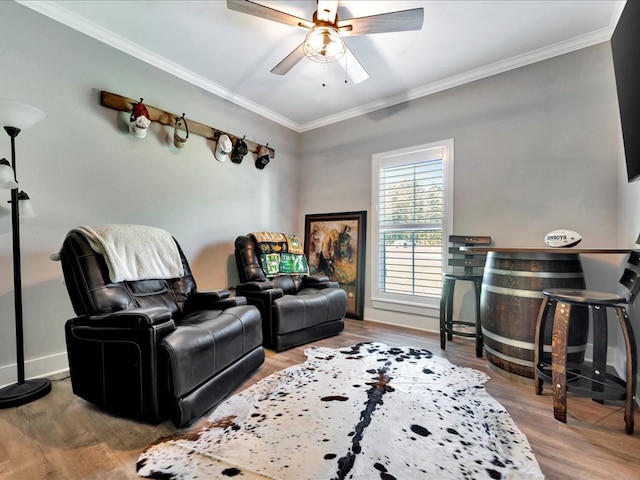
x=536 y=149
x=81 y=166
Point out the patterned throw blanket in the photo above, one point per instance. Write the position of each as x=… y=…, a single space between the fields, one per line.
x=281 y=254
x=364 y=412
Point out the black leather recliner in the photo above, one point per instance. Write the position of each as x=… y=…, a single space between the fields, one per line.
x=295 y=309
x=154 y=349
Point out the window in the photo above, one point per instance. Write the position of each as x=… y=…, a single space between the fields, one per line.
x=412 y=198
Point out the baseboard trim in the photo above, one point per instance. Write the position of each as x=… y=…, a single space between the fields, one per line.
x=54 y=367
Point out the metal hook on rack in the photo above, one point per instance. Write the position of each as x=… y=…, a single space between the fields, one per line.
x=178 y=141
x=124 y=104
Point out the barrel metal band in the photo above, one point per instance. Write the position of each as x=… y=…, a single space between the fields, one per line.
x=513 y=291
x=526 y=345
x=522 y=273
x=508 y=358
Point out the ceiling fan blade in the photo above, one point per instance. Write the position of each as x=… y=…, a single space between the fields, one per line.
x=327 y=10
x=257 y=10
x=289 y=61
x=351 y=65
x=400 y=21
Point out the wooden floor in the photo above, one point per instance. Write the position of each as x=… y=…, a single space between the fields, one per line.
x=62 y=437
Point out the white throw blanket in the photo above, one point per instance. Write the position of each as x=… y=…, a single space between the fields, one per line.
x=134 y=252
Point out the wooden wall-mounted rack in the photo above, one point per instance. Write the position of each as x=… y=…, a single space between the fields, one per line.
x=124 y=104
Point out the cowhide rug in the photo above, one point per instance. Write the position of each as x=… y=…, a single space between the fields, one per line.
x=363 y=412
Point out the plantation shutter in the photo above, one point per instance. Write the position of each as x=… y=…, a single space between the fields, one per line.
x=410 y=214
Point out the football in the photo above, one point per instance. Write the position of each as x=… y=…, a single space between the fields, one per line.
x=562 y=238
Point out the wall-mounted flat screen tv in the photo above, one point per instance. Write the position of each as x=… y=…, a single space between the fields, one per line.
x=625 y=47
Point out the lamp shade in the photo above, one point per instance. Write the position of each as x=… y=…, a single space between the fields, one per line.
x=7 y=177
x=25 y=206
x=18 y=115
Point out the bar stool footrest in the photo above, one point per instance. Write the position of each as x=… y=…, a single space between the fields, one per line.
x=453 y=331
x=580 y=382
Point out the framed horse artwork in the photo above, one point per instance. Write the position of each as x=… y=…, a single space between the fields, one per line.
x=334 y=244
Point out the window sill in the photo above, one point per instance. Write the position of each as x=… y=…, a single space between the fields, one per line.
x=414 y=308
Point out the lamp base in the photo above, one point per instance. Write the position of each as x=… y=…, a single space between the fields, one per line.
x=21 y=393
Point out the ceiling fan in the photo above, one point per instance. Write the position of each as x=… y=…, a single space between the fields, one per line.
x=324 y=42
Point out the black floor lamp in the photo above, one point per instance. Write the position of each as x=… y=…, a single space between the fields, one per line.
x=15 y=117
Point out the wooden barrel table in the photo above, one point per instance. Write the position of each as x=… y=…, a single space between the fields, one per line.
x=511 y=296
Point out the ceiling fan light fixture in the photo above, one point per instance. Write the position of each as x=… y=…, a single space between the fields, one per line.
x=324 y=44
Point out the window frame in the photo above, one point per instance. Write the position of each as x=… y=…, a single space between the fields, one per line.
x=406 y=156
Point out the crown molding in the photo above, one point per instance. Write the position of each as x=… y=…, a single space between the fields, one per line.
x=577 y=43
x=560 y=48
x=60 y=14
x=91 y=29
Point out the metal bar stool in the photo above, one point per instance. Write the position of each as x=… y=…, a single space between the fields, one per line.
x=584 y=379
x=467 y=266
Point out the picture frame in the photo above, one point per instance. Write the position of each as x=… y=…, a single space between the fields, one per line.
x=335 y=246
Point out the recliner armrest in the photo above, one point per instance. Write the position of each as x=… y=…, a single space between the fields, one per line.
x=212 y=300
x=255 y=286
x=315 y=279
x=219 y=294
x=132 y=318
x=253 y=290
x=318 y=281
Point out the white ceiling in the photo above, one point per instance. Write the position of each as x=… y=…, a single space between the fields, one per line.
x=231 y=54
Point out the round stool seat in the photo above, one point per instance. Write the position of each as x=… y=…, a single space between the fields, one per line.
x=584 y=296
x=468 y=277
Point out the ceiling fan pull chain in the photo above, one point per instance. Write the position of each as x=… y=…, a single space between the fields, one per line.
x=346 y=69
